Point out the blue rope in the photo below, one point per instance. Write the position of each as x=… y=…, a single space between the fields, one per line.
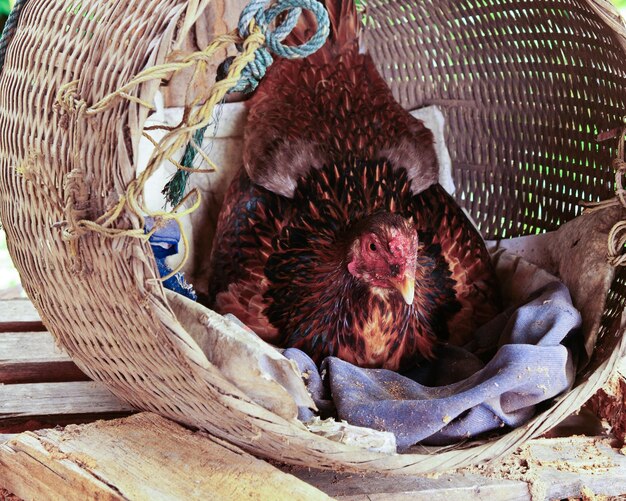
x=9 y=29
x=255 y=70
x=256 y=10
x=252 y=74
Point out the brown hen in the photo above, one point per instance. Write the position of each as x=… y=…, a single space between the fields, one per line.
x=336 y=237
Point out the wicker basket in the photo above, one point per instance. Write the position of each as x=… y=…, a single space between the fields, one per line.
x=525 y=86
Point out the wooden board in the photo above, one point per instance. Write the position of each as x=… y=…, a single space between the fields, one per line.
x=143 y=457
x=148 y=457
x=30 y=357
x=574 y=467
x=466 y=487
x=19 y=315
x=30 y=363
x=40 y=399
x=543 y=469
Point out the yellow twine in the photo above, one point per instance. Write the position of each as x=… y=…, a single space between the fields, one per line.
x=180 y=166
x=173 y=141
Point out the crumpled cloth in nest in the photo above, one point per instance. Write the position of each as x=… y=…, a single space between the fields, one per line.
x=459 y=396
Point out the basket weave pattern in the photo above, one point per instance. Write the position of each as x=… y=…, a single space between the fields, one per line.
x=524 y=86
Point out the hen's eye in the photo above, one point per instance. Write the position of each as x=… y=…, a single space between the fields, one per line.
x=372 y=246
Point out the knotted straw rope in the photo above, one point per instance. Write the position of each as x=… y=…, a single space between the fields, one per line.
x=617 y=235
x=252 y=36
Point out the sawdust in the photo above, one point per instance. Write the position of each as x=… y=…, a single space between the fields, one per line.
x=516 y=466
x=395 y=389
x=525 y=466
x=53 y=450
x=588 y=495
x=83 y=460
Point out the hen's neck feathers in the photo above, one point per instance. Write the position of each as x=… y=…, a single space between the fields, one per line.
x=310 y=269
x=355 y=314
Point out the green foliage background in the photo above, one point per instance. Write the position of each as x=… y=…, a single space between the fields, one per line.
x=5 y=7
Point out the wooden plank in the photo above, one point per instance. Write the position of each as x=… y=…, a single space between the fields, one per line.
x=30 y=470
x=31 y=357
x=41 y=399
x=353 y=487
x=19 y=315
x=40 y=371
x=30 y=346
x=560 y=468
x=575 y=467
x=5 y=437
x=32 y=423
x=141 y=457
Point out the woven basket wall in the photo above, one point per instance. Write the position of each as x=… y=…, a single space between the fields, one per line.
x=525 y=87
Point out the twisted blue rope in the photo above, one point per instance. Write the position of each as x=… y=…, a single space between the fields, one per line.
x=9 y=29
x=252 y=74
x=273 y=38
x=257 y=10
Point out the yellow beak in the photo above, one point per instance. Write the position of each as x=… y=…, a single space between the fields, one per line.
x=406 y=286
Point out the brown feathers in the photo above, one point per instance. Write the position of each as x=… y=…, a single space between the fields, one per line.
x=332 y=105
x=336 y=237
x=281 y=265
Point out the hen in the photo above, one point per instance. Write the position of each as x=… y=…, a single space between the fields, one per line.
x=336 y=237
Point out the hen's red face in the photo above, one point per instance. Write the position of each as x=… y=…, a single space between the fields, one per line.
x=384 y=254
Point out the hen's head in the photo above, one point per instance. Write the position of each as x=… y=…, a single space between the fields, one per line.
x=382 y=253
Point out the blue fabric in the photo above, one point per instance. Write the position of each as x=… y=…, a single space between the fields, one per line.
x=164 y=243
x=177 y=282
x=458 y=396
x=165 y=240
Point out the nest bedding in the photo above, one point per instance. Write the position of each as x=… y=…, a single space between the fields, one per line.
x=525 y=356
x=458 y=396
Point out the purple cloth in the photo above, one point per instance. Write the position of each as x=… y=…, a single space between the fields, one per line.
x=458 y=396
